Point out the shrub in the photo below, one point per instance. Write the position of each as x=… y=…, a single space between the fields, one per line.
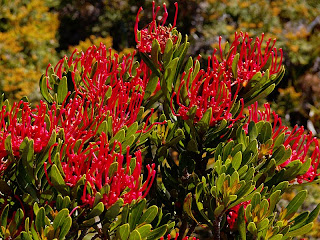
x=149 y=146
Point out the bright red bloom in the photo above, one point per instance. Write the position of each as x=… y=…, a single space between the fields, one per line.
x=161 y=33
x=296 y=139
x=253 y=57
x=21 y=122
x=111 y=86
x=210 y=89
x=94 y=162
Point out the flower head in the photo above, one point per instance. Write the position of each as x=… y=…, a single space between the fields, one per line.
x=207 y=89
x=254 y=56
x=155 y=31
x=300 y=143
x=20 y=122
x=105 y=167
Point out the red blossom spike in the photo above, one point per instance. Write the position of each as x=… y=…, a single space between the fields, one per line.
x=94 y=162
x=253 y=57
x=110 y=73
x=153 y=30
x=296 y=139
x=31 y=124
x=210 y=89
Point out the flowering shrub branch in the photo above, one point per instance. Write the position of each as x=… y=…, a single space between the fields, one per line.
x=148 y=144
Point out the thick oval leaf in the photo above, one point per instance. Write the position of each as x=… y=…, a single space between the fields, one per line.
x=295 y=203
x=149 y=215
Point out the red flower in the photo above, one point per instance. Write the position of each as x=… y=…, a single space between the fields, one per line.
x=232 y=214
x=299 y=142
x=253 y=57
x=21 y=122
x=161 y=33
x=95 y=161
x=94 y=74
x=210 y=89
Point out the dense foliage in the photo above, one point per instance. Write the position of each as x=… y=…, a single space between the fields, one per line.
x=154 y=144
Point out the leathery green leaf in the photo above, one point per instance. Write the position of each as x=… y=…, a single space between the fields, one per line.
x=62 y=89
x=296 y=202
x=149 y=215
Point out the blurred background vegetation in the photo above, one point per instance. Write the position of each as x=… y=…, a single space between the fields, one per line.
x=36 y=32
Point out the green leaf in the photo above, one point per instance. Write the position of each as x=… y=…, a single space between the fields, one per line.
x=27 y=157
x=203 y=125
x=274 y=199
x=150 y=64
x=40 y=219
x=314 y=214
x=235 y=66
x=34 y=232
x=168 y=53
x=96 y=211
x=67 y=223
x=236 y=160
x=265 y=133
x=151 y=86
x=136 y=213
x=155 y=52
x=252 y=130
x=124 y=231
x=112 y=169
x=135 y=235
x=18 y=217
x=4 y=216
x=158 y=232
x=114 y=210
x=44 y=89
x=149 y=215
x=278 y=140
x=25 y=182
x=252 y=228
x=62 y=89
x=305 y=167
x=59 y=219
x=301 y=231
x=120 y=136
x=144 y=230
x=219 y=210
x=295 y=203
x=25 y=236
x=57 y=180
x=108 y=93
x=170 y=73
x=241 y=223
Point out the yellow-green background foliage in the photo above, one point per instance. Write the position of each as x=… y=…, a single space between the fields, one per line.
x=27 y=43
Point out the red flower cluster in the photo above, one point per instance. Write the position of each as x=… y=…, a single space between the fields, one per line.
x=104 y=86
x=300 y=143
x=95 y=161
x=98 y=71
x=20 y=122
x=208 y=89
x=161 y=33
x=253 y=57
x=218 y=87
